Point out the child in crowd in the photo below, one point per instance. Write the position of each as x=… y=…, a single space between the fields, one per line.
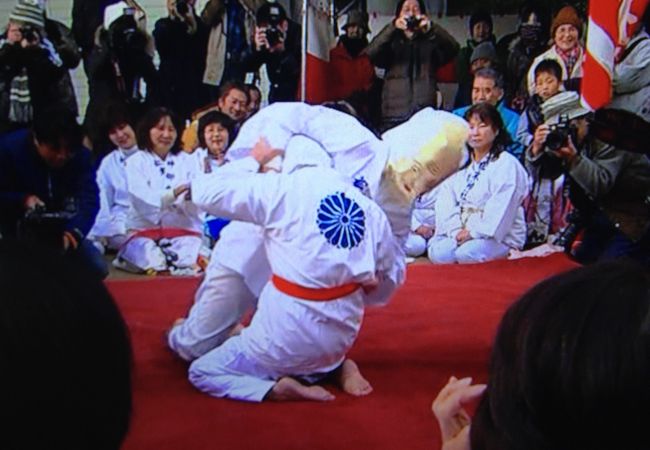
x=548 y=82
x=545 y=202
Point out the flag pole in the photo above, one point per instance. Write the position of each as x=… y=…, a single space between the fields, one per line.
x=303 y=51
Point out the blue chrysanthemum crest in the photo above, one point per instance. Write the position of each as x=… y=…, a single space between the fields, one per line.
x=341 y=220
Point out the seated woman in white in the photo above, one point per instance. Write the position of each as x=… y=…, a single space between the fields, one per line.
x=214 y=133
x=165 y=227
x=423 y=224
x=479 y=213
x=109 y=230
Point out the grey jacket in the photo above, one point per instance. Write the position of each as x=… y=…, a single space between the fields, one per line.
x=615 y=181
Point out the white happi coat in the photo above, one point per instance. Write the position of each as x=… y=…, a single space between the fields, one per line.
x=355 y=151
x=319 y=231
x=151 y=181
x=204 y=162
x=493 y=207
x=113 y=196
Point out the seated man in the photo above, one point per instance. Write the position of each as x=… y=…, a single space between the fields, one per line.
x=332 y=250
x=488 y=86
x=234 y=279
x=48 y=191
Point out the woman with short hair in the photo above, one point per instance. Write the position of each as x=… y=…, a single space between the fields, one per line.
x=479 y=213
x=165 y=225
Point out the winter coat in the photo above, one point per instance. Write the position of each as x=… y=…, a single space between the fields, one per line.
x=182 y=63
x=411 y=65
x=283 y=68
x=43 y=75
x=23 y=172
x=348 y=74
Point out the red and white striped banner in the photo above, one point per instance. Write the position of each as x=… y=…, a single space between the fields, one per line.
x=611 y=24
x=320 y=39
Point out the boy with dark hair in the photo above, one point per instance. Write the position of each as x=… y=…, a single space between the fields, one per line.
x=548 y=82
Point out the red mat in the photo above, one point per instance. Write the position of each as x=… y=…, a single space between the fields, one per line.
x=440 y=323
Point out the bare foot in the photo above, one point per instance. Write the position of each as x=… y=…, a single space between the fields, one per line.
x=351 y=380
x=287 y=389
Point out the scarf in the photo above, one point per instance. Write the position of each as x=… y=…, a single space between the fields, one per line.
x=20 y=101
x=353 y=46
x=569 y=58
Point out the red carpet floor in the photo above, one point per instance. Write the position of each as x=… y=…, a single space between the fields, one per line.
x=440 y=323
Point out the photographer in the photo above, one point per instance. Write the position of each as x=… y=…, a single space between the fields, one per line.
x=411 y=48
x=121 y=59
x=30 y=67
x=181 y=40
x=48 y=192
x=277 y=44
x=608 y=187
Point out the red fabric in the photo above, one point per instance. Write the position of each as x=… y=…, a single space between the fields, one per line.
x=441 y=323
x=346 y=74
x=447 y=73
x=305 y=293
x=316 y=76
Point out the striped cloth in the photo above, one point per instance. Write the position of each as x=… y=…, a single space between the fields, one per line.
x=611 y=24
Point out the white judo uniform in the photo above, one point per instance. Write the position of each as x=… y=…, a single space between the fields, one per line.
x=485 y=198
x=110 y=224
x=423 y=215
x=153 y=207
x=319 y=231
x=238 y=267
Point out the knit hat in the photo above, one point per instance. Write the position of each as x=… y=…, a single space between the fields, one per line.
x=484 y=50
x=567 y=15
x=28 y=12
x=480 y=16
x=564 y=103
x=358 y=18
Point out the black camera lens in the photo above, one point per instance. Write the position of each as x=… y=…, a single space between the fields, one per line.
x=412 y=23
x=273 y=35
x=30 y=34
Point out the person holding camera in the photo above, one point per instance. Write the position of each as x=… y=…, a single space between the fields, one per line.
x=411 y=48
x=30 y=67
x=609 y=187
x=48 y=192
x=277 y=43
x=181 y=40
x=120 y=61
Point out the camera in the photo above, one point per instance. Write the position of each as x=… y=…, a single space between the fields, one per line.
x=567 y=236
x=182 y=7
x=30 y=33
x=559 y=133
x=274 y=35
x=412 y=23
x=46 y=227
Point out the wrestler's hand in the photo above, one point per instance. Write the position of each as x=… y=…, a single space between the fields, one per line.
x=448 y=407
x=263 y=153
x=182 y=189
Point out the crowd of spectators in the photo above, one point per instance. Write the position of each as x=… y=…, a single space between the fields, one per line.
x=591 y=180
